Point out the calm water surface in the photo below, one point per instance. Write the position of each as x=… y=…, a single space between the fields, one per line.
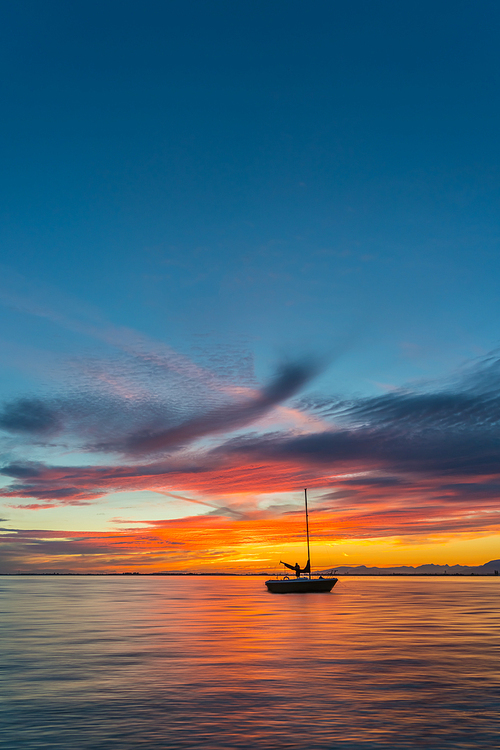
x=139 y=662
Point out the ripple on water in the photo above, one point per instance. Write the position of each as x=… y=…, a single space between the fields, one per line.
x=159 y=662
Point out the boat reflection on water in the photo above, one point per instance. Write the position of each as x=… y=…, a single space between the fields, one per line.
x=300 y=584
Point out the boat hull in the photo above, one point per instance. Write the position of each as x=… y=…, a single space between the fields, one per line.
x=300 y=585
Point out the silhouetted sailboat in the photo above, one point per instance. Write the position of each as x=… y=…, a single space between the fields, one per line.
x=303 y=581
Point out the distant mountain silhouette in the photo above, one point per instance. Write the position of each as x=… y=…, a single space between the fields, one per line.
x=488 y=568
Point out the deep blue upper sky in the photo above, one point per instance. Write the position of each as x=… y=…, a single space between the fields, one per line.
x=281 y=178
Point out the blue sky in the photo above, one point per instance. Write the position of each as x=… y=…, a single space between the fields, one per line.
x=238 y=185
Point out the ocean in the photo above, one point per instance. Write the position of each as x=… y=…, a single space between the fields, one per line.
x=98 y=662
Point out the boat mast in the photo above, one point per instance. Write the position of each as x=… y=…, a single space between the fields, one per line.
x=307 y=533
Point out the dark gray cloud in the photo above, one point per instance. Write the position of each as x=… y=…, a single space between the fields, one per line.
x=471 y=398
x=383 y=447
x=239 y=413
x=455 y=430
x=23 y=470
x=29 y=415
x=450 y=431
x=421 y=411
x=147 y=422
x=49 y=494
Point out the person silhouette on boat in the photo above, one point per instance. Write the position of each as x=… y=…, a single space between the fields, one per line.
x=296 y=568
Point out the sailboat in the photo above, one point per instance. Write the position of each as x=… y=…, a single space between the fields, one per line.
x=303 y=582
